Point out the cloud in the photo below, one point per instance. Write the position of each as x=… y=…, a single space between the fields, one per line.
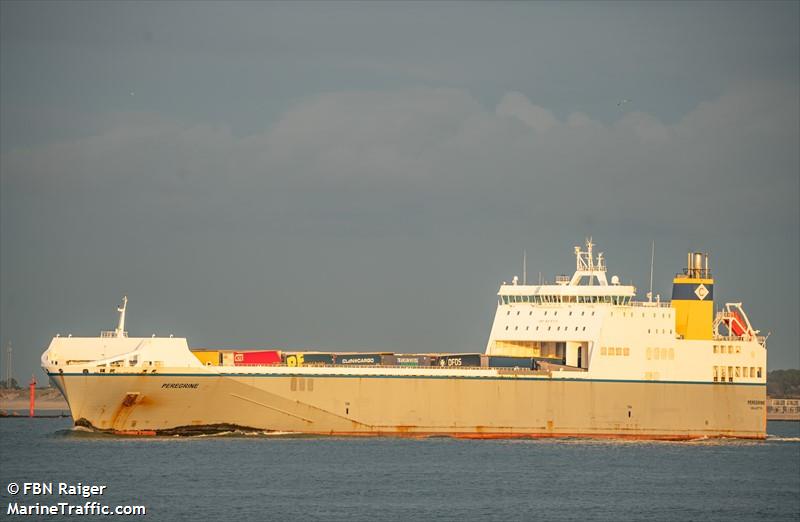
x=417 y=148
x=518 y=106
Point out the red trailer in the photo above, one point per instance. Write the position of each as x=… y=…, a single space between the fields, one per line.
x=256 y=358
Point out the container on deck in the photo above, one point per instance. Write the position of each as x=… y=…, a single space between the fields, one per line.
x=413 y=360
x=359 y=359
x=208 y=357
x=256 y=358
x=548 y=360
x=309 y=359
x=459 y=360
x=388 y=360
x=499 y=361
x=227 y=358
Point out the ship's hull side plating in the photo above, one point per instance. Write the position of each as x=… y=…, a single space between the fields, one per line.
x=415 y=406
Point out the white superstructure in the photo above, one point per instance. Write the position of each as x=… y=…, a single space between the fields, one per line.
x=601 y=329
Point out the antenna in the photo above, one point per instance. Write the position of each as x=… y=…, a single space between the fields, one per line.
x=524 y=267
x=8 y=365
x=652 y=262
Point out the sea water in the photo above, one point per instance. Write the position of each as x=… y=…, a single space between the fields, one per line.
x=267 y=477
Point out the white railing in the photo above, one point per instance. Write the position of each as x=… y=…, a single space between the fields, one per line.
x=651 y=304
x=761 y=339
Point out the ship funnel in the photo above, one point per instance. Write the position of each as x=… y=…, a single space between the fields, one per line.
x=693 y=298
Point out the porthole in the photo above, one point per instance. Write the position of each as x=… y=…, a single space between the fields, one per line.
x=549 y=328
x=508 y=313
x=592 y=313
x=584 y=328
x=516 y=328
x=506 y=327
x=517 y=312
x=545 y=312
x=530 y=313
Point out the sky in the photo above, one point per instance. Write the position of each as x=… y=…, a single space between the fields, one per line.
x=364 y=176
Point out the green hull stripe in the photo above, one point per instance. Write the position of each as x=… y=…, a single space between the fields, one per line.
x=349 y=375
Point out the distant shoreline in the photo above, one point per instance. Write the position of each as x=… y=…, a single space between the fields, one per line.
x=47 y=399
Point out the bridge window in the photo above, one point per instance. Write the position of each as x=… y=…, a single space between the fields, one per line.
x=758 y=373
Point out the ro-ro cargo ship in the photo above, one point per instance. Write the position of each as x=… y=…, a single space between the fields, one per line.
x=578 y=357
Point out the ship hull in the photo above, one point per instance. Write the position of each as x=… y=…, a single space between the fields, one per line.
x=414 y=405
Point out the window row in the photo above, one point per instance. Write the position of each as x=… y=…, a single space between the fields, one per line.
x=548 y=299
x=615 y=350
x=550 y=328
x=663 y=354
x=721 y=348
x=723 y=373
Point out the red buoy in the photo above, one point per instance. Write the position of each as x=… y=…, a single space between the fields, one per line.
x=32 y=387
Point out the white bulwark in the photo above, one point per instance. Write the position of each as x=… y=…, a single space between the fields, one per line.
x=578 y=357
